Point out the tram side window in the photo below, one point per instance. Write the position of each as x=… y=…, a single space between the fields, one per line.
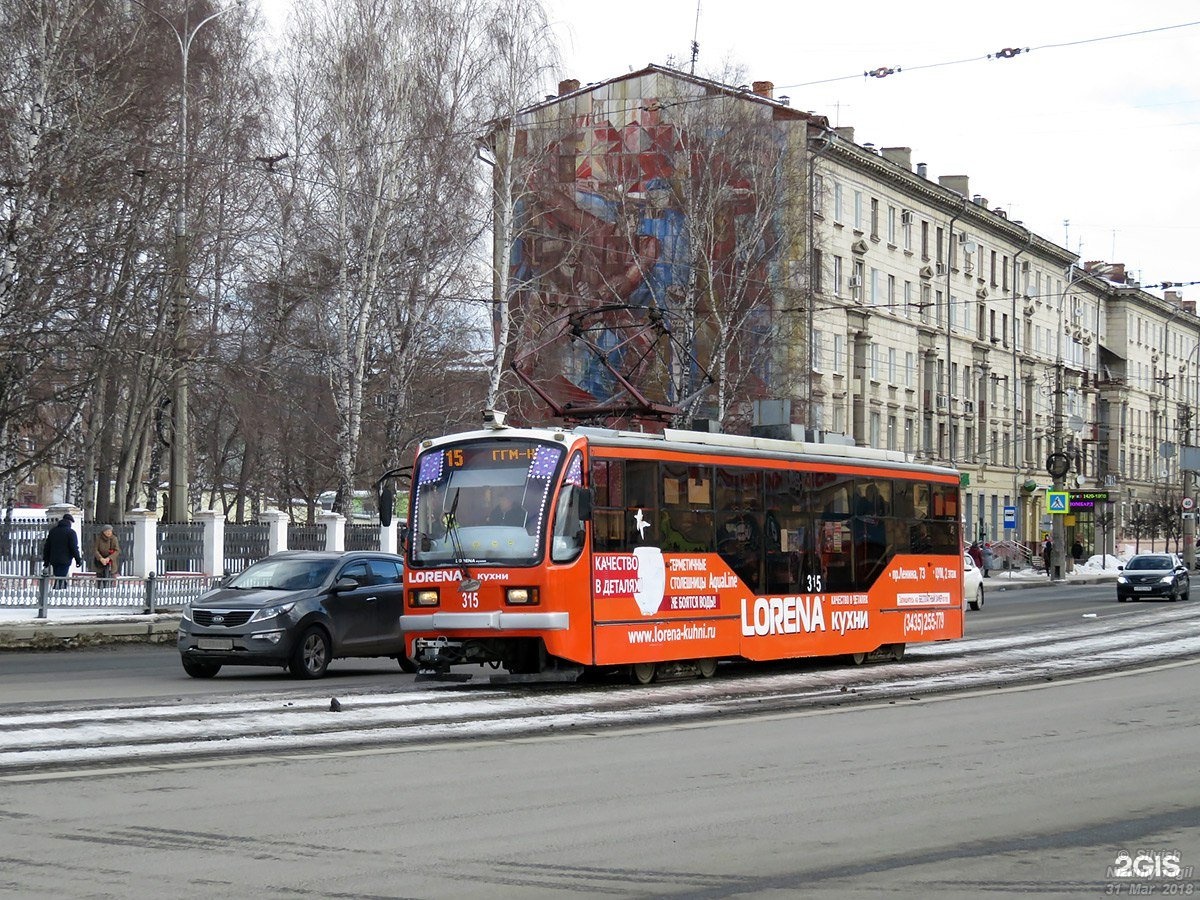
x=792 y=564
x=608 y=517
x=687 y=516
x=608 y=478
x=740 y=540
x=945 y=527
x=902 y=499
x=871 y=548
x=831 y=505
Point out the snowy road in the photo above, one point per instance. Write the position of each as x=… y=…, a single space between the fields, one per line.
x=115 y=736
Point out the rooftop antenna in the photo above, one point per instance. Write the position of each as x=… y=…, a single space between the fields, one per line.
x=695 y=38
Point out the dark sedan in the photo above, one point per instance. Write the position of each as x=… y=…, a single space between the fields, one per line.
x=298 y=609
x=1153 y=575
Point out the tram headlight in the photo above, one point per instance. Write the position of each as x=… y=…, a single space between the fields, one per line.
x=424 y=597
x=521 y=596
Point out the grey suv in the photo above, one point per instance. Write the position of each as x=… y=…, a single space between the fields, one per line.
x=298 y=609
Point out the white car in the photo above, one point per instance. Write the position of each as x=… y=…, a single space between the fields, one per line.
x=972 y=582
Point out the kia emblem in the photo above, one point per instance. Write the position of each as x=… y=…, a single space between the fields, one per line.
x=217 y=620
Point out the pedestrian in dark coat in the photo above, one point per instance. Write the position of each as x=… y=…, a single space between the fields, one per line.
x=61 y=549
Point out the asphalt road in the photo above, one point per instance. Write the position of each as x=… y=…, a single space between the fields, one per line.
x=129 y=672
x=1030 y=790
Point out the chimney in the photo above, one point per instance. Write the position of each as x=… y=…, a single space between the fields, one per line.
x=764 y=89
x=979 y=200
x=567 y=85
x=1000 y=211
x=956 y=183
x=922 y=170
x=1188 y=306
x=846 y=133
x=1173 y=297
x=901 y=156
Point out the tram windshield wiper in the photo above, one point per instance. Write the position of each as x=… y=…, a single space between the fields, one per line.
x=467 y=584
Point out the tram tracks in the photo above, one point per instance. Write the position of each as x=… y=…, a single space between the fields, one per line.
x=125 y=734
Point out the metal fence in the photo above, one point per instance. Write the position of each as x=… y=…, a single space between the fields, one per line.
x=21 y=543
x=245 y=544
x=306 y=537
x=362 y=537
x=155 y=593
x=180 y=547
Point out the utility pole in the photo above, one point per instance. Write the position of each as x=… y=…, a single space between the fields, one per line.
x=179 y=431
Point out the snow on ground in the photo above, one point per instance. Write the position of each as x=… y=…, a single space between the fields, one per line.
x=281 y=724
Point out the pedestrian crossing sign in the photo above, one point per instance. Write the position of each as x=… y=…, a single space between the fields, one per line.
x=1058 y=502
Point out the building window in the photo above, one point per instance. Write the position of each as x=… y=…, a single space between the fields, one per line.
x=837 y=276
x=891 y=433
x=940 y=236
x=874 y=426
x=876 y=286
x=874 y=218
x=818 y=273
x=925 y=240
x=891 y=365
x=856 y=281
x=839 y=352
x=818 y=342
x=818 y=195
x=891 y=225
x=891 y=293
x=858 y=210
x=837 y=201
x=910 y=368
x=874 y=365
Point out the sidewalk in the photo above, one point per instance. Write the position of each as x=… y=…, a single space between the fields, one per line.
x=69 y=628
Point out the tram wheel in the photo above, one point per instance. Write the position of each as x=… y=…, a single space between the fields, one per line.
x=897 y=652
x=706 y=667
x=858 y=658
x=643 y=673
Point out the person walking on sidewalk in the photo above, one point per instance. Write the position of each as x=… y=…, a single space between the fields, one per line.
x=1047 y=553
x=105 y=551
x=61 y=549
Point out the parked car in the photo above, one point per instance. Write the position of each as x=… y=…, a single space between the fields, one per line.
x=298 y=609
x=1153 y=575
x=972 y=582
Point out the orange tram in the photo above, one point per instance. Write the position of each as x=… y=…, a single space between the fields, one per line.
x=549 y=553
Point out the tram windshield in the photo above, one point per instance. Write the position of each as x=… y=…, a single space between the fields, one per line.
x=482 y=502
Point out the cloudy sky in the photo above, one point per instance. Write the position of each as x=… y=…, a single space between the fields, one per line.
x=1089 y=135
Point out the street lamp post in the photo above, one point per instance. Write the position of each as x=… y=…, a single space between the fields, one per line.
x=180 y=432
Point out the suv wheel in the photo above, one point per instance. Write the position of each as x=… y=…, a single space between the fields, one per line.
x=310 y=656
x=201 y=669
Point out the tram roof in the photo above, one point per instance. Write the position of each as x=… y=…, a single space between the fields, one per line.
x=683 y=441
